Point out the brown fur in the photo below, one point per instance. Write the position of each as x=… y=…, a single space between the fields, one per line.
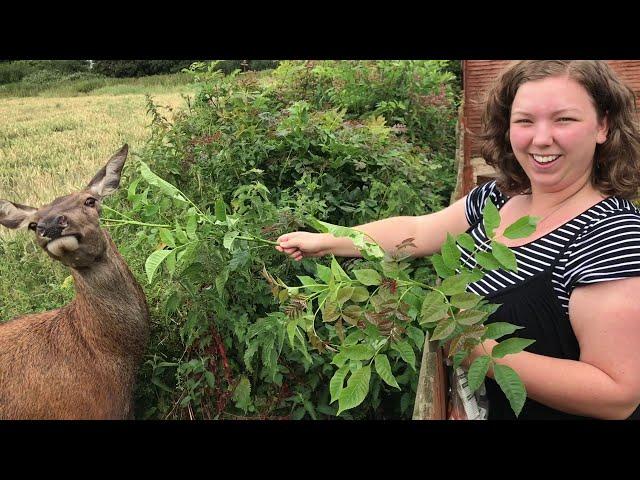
x=78 y=361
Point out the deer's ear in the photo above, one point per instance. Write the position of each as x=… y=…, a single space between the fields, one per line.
x=14 y=215
x=107 y=179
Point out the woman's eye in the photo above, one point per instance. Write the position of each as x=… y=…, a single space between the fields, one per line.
x=522 y=120
x=90 y=202
x=566 y=119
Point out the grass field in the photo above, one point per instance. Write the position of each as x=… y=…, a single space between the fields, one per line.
x=50 y=146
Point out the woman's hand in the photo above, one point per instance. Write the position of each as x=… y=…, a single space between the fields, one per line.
x=299 y=245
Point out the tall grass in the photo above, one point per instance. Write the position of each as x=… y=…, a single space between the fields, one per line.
x=88 y=84
x=51 y=146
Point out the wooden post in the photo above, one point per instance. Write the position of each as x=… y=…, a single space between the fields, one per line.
x=431 y=397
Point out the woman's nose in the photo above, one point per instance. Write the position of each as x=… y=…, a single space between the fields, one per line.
x=542 y=135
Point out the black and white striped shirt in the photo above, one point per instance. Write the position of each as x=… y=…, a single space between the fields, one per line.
x=603 y=243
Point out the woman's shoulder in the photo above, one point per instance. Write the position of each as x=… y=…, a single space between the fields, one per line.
x=610 y=211
x=477 y=199
x=608 y=248
x=606 y=222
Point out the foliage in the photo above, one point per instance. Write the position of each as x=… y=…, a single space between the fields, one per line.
x=138 y=68
x=15 y=71
x=254 y=156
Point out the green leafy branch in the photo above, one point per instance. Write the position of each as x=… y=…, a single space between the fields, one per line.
x=402 y=309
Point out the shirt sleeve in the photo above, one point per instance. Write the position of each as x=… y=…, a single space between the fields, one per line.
x=610 y=250
x=477 y=198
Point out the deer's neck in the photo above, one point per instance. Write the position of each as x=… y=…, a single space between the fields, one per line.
x=110 y=306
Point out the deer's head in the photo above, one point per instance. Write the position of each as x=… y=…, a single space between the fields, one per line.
x=68 y=229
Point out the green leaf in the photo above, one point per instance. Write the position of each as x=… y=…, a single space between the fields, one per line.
x=450 y=253
x=433 y=308
x=170 y=262
x=470 y=317
x=417 y=335
x=330 y=312
x=306 y=281
x=456 y=284
x=344 y=294
x=352 y=314
x=441 y=269
x=180 y=235
x=465 y=300
x=360 y=294
x=192 y=225
x=504 y=255
x=478 y=371
x=242 y=394
x=510 y=346
x=336 y=384
x=512 y=386
x=131 y=191
x=221 y=210
x=368 y=276
x=358 y=352
x=369 y=248
x=229 y=237
x=459 y=357
x=521 y=228
x=323 y=273
x=383 y=367
x=210 y=379
x=500 y=329
x=153 y=262
x=292 y=328
x=356 y=389
x=444 y=329
x=466 y=241
x=221 y=280
x=167 y=237
x=338 y=273
x=163 y=185
x=339 y=359
x=490 y=218
x=487 y=261
x=406 y=352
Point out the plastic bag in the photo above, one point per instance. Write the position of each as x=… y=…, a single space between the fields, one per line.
x=463 y=404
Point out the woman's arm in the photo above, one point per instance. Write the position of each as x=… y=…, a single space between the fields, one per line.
x=605 y=382
x=428 y=231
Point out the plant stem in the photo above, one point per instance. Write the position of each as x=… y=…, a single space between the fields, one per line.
x=257 y=239
x=133 y=222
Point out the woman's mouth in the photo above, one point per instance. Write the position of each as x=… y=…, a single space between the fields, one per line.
x=544 y=160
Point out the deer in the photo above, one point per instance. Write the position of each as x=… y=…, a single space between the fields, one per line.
x=79 y=361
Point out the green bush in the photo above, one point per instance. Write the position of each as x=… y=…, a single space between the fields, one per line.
x=346 y=142
x=15 y=71
x=138 y=68
x=42 y=78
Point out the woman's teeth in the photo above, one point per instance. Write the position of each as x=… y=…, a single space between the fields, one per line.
x=545 y=158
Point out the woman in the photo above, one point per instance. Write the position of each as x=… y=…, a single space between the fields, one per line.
x=564 y=139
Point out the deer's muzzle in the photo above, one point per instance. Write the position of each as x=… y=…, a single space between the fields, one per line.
x=52 y=228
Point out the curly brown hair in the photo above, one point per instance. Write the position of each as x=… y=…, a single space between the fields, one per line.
x=616 y=166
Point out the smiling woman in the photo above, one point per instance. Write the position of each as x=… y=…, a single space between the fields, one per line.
x=564 y=138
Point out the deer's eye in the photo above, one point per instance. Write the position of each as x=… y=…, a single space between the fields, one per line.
x=32 y=226
x=90 y=202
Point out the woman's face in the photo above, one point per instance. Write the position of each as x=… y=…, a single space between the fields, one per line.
x=554 y=130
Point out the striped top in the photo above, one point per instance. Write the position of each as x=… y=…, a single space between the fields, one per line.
x=602 y=244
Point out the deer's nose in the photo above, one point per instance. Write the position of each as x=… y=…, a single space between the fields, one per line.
x=52 y=227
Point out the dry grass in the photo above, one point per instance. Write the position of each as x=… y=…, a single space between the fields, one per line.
x=52 y=146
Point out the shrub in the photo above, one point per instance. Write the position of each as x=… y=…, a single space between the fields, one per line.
x=347 y=142
x=15 y=71
x=138 y=68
